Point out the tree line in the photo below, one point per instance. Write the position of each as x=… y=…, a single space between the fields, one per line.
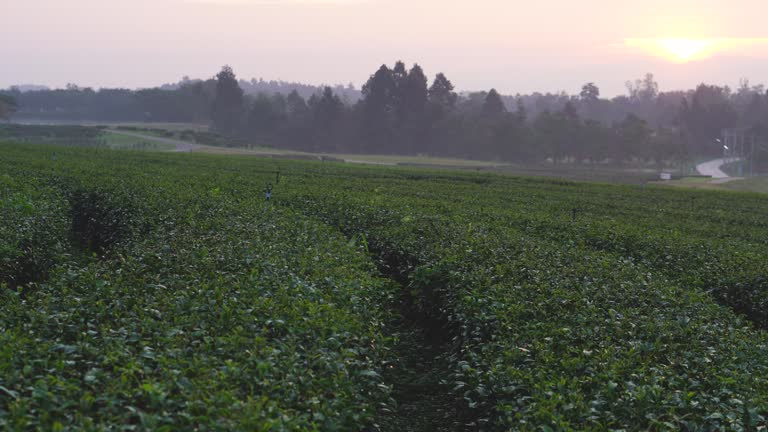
x=400 y=111
x=7 y=106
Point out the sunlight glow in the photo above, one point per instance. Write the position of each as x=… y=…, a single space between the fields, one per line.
x=686 y=50
x=676 y=50
x=275 y=2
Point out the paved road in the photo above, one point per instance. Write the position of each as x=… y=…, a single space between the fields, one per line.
x=181 y=146
x=712 y=168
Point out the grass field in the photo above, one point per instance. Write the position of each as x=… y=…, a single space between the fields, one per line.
x=390 y=160
x=206 y=142
x=162 y=291
x=753 y=184
x=123 y=142
x=143 y=125
x=173 y=127
x=604 y=174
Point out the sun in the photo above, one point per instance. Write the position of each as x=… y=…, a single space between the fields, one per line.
x=685 y=50
x=677 y=50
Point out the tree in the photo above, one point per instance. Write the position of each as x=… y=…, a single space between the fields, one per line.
x=414 y=91
x=297 y=131
x=7 y=105
x=633 y=138
x=511 y=136
x=377 y=106
x=399 y=73
x=643 y=90
x=412 y=126
x=590 y=93
x=596 y=139
x=400 y=81
x=296 y=106
x=522 y=112
x=441 y=94
x=441 y=104
x=228 y=105
x=327 y=115
x=570 y=112
x=266 y=114
x=196 y=99
x=577 y=146
x=553 y=134
x=709 y=112
x=754 y=112
x=493 y=106
x=190 y=102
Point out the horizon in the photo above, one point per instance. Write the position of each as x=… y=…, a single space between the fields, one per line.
x=358 y=84
x=513 y=47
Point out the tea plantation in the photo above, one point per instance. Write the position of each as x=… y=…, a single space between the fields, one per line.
x=146 y=291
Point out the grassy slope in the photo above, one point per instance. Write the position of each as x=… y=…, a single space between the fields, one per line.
x=611 y=174
x=755 y=184
x=166 y=126
x=124 y=142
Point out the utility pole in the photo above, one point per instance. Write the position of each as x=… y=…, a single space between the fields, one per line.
x=752 y=158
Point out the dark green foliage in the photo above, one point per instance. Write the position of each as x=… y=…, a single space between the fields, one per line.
x=706 y=113
x=608 y=322
x=227 y=107
x=327 y=113
x=191 y=102
x=441 y=93
x=7 y=105
x=377 y=109
x=217 y=310
x=78 y=136
x=590 y=93
x=98 y=223
x=395 y=113
x=212 y=310
x=34 y=228
x=493 y=106
x=41 y=132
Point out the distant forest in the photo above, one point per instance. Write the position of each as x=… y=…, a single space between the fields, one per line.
x=399 y=111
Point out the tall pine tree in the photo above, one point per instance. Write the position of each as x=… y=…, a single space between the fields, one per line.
x=228 y=105
x=441 y=93
x=377 y=106
x=327 y=116
x=414 y=125
x=493 y=106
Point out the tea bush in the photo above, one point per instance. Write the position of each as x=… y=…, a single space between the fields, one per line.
x=194 y=303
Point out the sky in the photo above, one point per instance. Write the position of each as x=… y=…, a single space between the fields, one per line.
x=511 y=45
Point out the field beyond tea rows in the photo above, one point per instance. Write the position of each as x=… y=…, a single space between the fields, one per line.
x=162 y=291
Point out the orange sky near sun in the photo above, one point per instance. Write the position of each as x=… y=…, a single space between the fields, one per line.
x=685 y=50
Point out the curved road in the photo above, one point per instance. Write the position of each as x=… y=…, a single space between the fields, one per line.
x=712 y=168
